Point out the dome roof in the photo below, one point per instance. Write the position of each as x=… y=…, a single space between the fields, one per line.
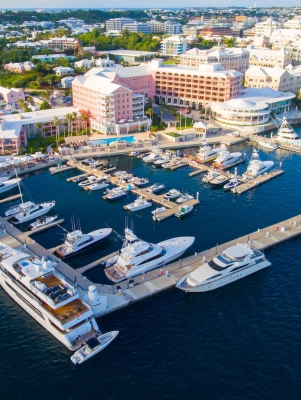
x=241 y=104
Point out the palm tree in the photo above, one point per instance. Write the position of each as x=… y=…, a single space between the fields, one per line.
x=149 y=111
x=64 y=123
x=74 y=118
x=68 y=118
x=56 y=123
x=85 y=119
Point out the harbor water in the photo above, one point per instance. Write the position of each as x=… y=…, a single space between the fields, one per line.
x=239 y=342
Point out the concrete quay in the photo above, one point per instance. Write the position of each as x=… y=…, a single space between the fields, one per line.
x=259 y=180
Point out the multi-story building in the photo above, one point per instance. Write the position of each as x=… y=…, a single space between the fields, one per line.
x=138 y=27
x=19 y=67
x=72 y=22
x=11 y=95
x=285 y=80
x=174 y=45
x=173 y=28
x=294 y=23
x=62 y=43
x=116 y=24
x=230 y=58
x=194 y=86
x=216 y=31
x=269 y=58
x=157 y=26
x=115 y=98
x=267 y=27
x=295 y=51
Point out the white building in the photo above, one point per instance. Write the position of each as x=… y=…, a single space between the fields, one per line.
x=66 y=82
x=174 y=45
x=63 y=71
x=267 y=27
x=252 y=108
x=138 y=27
x=294 y=23
x=269 y=58
x=173 y=28
x=295 y=51
x=62 y=43
x=157 y=26
x=116 y=24
x=100 y=62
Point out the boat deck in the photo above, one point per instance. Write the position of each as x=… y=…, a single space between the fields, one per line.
x=49 y=281
x=68 y=312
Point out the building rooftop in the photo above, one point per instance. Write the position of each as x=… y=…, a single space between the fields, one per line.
x=133 y=53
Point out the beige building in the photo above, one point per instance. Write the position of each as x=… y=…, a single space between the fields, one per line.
x=231 y=58
x=270 y=58
x=267 y=27
x=285 y=80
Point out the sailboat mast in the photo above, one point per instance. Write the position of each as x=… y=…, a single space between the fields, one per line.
x=19 y=186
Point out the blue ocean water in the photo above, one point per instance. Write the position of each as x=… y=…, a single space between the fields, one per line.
x=239 y=342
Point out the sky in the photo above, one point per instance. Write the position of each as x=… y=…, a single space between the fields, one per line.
x=145 y=3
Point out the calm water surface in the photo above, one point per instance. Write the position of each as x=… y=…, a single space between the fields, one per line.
x=239 y=342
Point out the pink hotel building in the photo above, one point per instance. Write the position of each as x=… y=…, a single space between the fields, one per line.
x=115 y=96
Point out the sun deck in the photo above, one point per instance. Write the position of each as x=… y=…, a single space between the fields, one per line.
x=68 y=312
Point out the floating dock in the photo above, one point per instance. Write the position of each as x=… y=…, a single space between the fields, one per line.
x=45 y=227
x=259 y=180
x=11 y=198
x=78 y=178
x=58 y=170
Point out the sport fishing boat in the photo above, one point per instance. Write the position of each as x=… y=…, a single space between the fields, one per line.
x=138 y=204
x=93 y=346
x=77 y=241
x=172 y=194
x=156 y=187
x=30 y=210
x=42 y=221
x=47 y=296
x=8 y=184
x=115 y=194
x=268 y=144
x=205 y=155
x=157 y=211
x=232 y=264
x=287 y=134
x=137 y=256
x=183 y=211
x=257 y=167
x=154 y=155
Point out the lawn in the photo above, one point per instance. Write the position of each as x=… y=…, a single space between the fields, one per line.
x=189 y=123
x=173 y=61
x=41 y=143
x=173 y=134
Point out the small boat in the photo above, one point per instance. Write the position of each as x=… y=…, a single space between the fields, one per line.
x=233 y=182
x=172 y=163
x=90 y=179
x=59 y=168
x=138 y=204
x=134 y=153
x=108 y=166
x=172 y=194
x=88 y=161
x=93 y=346
x=12 y=210
x=115 y=194
x=162 y=160
x=209 y=176
x=42 y=221
x=219 y=180
x=268 y=144
x=157 y=211
x=183 y=210
x=97 y=185
x=156 y=187
x=153 y=156
x=184 y=198
x=120 y=173
x=141 y=181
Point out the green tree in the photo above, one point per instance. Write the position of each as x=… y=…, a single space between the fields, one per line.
x=45 y=106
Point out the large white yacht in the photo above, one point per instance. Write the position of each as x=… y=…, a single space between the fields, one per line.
x=30 y=210
x=77 y=241
x=154 y=155
x=225 y=159
x=232 y=264
x=287 y=134
x=257 y=167
x=6 y=184
x=206 y=153
x=46 y=295
x=137 y=256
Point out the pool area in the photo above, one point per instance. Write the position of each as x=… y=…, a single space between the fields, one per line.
x=128 y=139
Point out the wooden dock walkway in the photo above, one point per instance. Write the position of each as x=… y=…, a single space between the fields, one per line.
x=95 y=263
x=259 y=180
x=60 y=170
x=183 y=164
x=11 y=198
x=77 y=178
x=45 y=227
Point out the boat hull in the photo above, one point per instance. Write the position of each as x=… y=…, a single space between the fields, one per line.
x=16 y=220
x=224 y=280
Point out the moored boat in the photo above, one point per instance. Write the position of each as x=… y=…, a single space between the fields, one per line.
x=183 y=211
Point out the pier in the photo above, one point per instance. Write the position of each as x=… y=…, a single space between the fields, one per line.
x=259 y=180
x=45 y=227
x=11 y=198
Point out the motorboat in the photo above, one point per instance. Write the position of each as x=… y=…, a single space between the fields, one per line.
x=134 y=153
x=42 y=221
x=48 y=297
x=268 y=144
x=162 y=160
x=12 y=210
x=232 y=264
x=233 y=182
x=120 y=173
x=138 y=204
x=137 y=256
x=183 y=211
x=30 y=210
x=157 y=211
x=205 y=154
x=9 y=184
x=184 y=198
x=172 y=163
x=219 y=180
x=125 y=177
x=156 y=187
x=90 y=179
x=108 y=166
x=287 y=134
x=97 y=185
x=141 y=181
x=88 y=161
x=77 y=241
x=172 y=194
x=93 y=346
x=212 y=174
x=225 y=159
x=115 y=194
x=257 y=167
x=154 y=155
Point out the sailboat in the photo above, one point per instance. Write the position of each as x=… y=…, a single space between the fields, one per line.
x=29 y=210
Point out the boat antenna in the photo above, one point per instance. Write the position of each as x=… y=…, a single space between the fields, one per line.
x=78 y=224
x=19 y=186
